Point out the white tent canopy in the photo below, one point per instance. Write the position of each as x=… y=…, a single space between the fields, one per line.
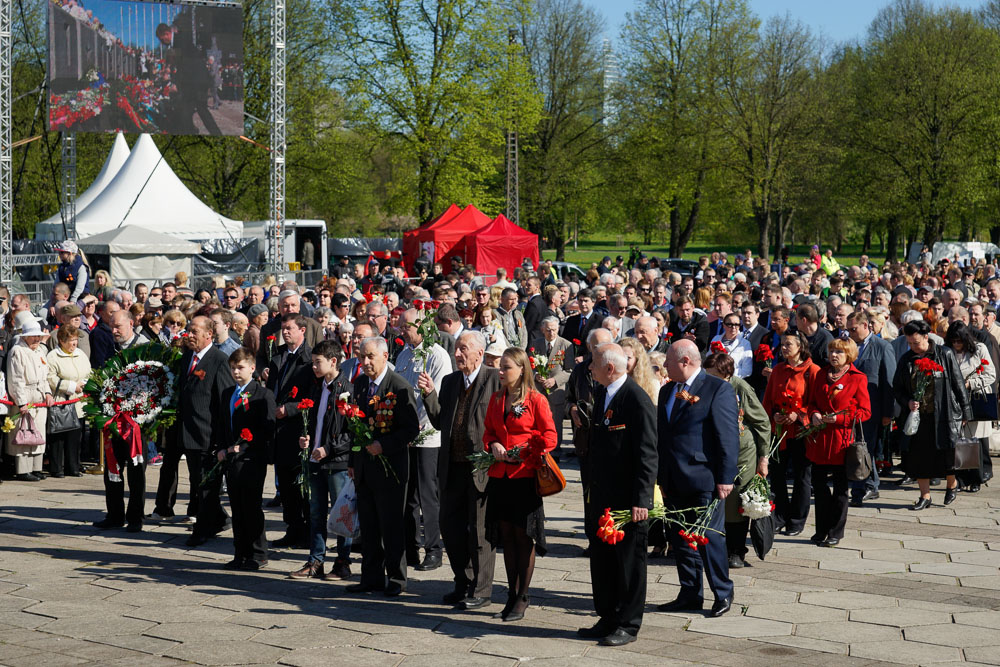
x=146 y=192
x=138 y=253
x=112 y=164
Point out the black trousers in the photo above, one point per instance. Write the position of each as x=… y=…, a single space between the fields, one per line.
x=166 y=489
x=422 y=498
x=831 y=506
x=245 y=480
x=791 y=512
x=294 y=508
x=463 y=528
x=114 y=492
x=64 y=452
x=381 y=502
x=618 y=579
x=209 y=516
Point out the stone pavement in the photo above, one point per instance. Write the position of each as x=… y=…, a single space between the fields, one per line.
x=903 y=587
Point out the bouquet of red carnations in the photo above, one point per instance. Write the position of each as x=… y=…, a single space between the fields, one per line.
x=924 y=370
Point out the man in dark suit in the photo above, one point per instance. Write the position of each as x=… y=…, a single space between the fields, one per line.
x=288 y=376
x=774 y=298
x=289 y=302
x=459 y=412
x=204 y=376
x=698 y=447
x=534 y=309
x=246 y=405
x=877 y=361
x=579 y=326
x=623 y=458
x=380 y=470
x=689 y=325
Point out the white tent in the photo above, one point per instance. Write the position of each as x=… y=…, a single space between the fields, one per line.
x=146 y=192
x=51 y=229
x=136 y=253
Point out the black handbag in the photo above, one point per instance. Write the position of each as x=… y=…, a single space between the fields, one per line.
x=62 y=418
x=857 y=458
x=967 y=454
x=984 y=407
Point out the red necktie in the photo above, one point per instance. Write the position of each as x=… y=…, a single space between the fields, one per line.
x=357 y=371
x=194 y=364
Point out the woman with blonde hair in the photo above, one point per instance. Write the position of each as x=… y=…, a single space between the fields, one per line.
x=639 y=368
x=518 y=416
x=102 y=285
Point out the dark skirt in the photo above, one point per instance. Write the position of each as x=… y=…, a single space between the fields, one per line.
x=924 y=459
x=517 y=502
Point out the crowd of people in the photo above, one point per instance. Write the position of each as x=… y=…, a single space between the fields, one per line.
x=679 y=389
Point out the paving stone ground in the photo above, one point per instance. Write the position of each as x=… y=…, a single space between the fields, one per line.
x=903 y=587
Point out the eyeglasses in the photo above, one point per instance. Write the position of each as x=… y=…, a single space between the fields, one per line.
x=732 y=324
x=231 y=297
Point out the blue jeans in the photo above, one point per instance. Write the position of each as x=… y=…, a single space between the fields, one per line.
x=324 y=488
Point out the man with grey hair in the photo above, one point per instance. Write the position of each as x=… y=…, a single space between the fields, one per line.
x=559 y=354
x=124 y=299
x=381 y=470
x=647 y=332
x=69 y=313
x=458 y=409
x=612 y=324
x=511 y=319
x=422 y=498
x=623 y=462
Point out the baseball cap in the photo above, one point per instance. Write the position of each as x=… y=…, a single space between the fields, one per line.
x=67 y=246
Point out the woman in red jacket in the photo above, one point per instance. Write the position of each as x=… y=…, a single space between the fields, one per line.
x=786 y=400
x=518 y=416
x=839 y=399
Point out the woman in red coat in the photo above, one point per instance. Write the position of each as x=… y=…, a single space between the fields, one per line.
x=839 y=399
x=517 y=416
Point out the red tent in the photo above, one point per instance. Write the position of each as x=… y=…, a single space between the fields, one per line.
x=501 y=244
x=412 y=240
x=444 y=233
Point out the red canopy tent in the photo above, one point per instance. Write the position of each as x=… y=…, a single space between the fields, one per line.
x=448 y=229
x=501 y=244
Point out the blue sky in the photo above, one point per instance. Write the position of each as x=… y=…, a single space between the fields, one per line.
x=839 y=21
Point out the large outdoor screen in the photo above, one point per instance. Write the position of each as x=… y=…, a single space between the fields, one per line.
x=167 y=68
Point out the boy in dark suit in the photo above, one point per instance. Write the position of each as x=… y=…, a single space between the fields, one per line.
x=330 y=452
x=248 y=406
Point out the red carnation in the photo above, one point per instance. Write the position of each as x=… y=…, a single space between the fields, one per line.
x=305 y=404
x=294 y=392
x=763 y=353
x=717 y=346
x=271 y=338
x=399 y=341
x=418 y=304
x=576 y=341
x=245 y=434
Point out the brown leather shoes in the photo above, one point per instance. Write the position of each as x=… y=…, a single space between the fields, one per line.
x=311 y=570
x=341 y=570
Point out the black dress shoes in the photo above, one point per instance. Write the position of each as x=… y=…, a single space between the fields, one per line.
x=949 y=496
x=27 y=477
x=134 y=528
x=972 y=488
x=921 y=503
x=469 y=604
x=906 y=481
x=618 y=638
x=454 y=597
x=735 y=562
x=721 y=607
x=856 y=502
x=361 y=588
x=234 y=564
x=817 y=539
x=251 y=565
x=393 y=590
x=597 y=631
x=431 y=562
x=108 y=524
x=792 y=532
x=681 y=604
x=830 y=542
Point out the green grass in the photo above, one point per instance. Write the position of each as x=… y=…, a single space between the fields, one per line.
x=594 y=248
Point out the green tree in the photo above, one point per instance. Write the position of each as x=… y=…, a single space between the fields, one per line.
x=442 y=78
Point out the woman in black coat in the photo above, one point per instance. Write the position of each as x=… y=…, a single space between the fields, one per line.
x=944 y=410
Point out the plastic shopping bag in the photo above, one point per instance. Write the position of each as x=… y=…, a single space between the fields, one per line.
x=343 y=519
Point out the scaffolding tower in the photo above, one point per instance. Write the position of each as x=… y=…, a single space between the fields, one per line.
x=512 y=188
x=6 y=158
x=275 y=246
x=68 y=208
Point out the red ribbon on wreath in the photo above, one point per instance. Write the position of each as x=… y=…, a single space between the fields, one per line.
x=131 y=433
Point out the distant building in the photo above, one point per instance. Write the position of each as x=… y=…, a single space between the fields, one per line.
x=609 y=80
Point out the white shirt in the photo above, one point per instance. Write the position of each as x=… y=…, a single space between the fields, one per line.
x=438 y=365
x=739 y=349
x=471 y=377
x=198 y=356
x=613 y=389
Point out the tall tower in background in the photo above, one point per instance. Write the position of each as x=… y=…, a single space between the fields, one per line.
x=609 y=80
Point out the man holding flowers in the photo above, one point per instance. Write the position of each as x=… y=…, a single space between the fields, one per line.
x=623 y=461
x=380 y=469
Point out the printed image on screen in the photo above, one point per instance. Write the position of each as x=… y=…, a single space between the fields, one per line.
x=166 y=68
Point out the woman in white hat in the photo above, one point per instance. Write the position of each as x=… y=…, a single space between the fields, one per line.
x=28 y=383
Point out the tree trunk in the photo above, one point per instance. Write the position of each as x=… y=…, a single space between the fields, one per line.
x=866 y=244
x=560 y=239
x=995 y=234
x=965 y=231
x=424 y=188
x=675 y=227
x=763 y=219
x=892 y=231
